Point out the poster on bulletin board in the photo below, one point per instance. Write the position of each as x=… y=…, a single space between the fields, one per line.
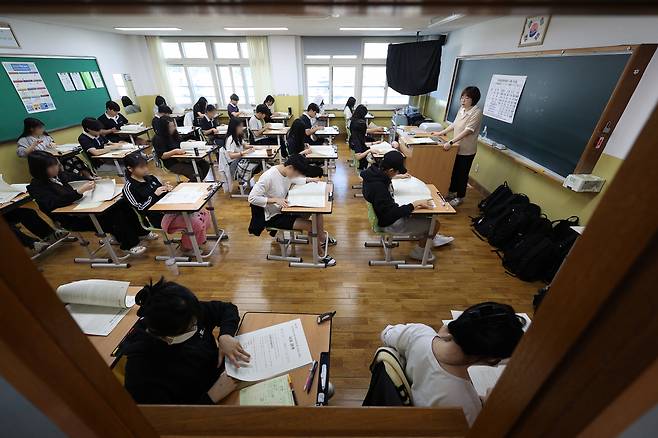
x=77 y=81
x=98 y=80
x=30 y=86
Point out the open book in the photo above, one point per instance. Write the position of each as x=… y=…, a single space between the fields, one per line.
x=97 y=306
x=105 y=190
x=409 y=190
x=10 y=191
x=323 y=151
x=484 y=377
x=132 y=127
x=308 y=195
x=381 y=148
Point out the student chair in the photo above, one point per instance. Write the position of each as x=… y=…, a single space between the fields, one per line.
x=355 y=164
x=387 y=241
x=387 y=368
x=160 y=164
x=286 y=239
x=54 y=245
x=168 y=242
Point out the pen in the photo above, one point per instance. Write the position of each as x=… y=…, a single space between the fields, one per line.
x=292 y=390
x=326 y=317
x=311 y=376
x=443 y=201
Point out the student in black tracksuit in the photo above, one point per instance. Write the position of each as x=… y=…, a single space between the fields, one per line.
x=51 y=190
x=391 y=217
x=173 y=357
x=144 y=191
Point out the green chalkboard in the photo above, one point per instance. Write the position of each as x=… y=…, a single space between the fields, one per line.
x=559 y=108
x=71 y=106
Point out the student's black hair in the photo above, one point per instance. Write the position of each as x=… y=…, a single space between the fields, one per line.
x=90 y=123
x=472 y=92
x=490 y=330
x=125 y=101
x=29 y=124
x=360 y=112
x=263 y=109
x=234 y=97
x=296 y=136
x=211 y=108
x=203 y=102
x=112 y=105
x=350 y=103
x=168 y=308
x=298 y=162
x=162 y=129
x=313 y=107
x=232 y=130
x=133 y=160
x=269 y=98
x=38 y=162
x=164 y=109
x=159 y=100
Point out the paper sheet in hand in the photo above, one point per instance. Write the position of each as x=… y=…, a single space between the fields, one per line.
x=97 y=306
x=184 y=195
x=105 y=190
x=9 y=191
x=484 y=377
x=308 y=195
x=274 y=350
x=381 y=148
x=323 y=151
x=409 y=190
x=421 y=140
x=272 y=392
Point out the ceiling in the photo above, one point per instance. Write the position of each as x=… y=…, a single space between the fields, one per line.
x=209 y=24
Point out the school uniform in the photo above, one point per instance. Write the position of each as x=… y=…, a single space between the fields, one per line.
x=162 y=144
x=232 y=109
x=241 y=169
x=272 y=184
x=154 y=122
x=119 y=220
x=88 y=141
x=30 y=220
x=391 y=217
x=431 y=385
x=196 y=109
x=308 y=124
x=256 y=125
x=180 y=374
x=71 y=164
x=358 y=139
x=113 y=122
x=469 y=121
x=296 y=146
x=141 y=195
x=206 y=123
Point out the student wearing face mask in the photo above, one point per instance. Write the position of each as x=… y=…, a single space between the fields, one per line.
x=437 y=362
x=172 y=354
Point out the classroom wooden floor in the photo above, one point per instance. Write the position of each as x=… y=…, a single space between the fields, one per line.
x=365 y=298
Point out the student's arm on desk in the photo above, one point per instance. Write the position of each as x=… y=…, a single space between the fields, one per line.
x=173 y=152
x=47 y=201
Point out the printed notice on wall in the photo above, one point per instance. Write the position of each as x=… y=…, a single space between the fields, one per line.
x=30 y=86
x=503 y=97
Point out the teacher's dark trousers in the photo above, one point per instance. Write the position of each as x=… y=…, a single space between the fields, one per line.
x=460 y=170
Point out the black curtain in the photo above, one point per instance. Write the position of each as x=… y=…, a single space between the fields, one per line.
x=413 y=68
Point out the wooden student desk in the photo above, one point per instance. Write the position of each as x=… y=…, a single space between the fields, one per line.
x=280 y=116
x=17 y=201
x=114 y=261
x=314 y=212
x=326 y=159
x=429 y=162
x=279 y=133
x=132 y=133
x=330 y=132
x=105 y=345
x=116 y=155
x=206 y=191
x=441 y=206
x=67 y=150
x=318 y=337
x=260 y=154
x=204 y=153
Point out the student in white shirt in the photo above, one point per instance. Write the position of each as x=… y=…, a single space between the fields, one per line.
x=271 y=191
x=257 y=127
x=437 y=362
x=241 y=169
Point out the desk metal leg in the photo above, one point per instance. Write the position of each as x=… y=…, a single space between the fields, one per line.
x=219 y=235
x=314 y=241
x=196 y=171
x=118 y=167
x=426 y=253
x=113 y=262
x=212 y=167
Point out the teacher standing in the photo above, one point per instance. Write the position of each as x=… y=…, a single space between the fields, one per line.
x=466 y=128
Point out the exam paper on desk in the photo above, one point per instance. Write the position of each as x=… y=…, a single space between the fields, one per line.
x=409 y=190
x=324 y=151
x=184 y=195
x=274 y=350
x=105 y=190
x=308 y=195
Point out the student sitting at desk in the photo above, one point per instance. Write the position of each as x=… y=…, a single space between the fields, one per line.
x=129 y=106
x=257 y=127
x=360 y=141
x=271 y=191
x=159 y=101
x=166 y=144
x=172 y=354
x=143 y=190
x=112 y=121
x=232 y=107
x=466 y=130
x=35 y=138
x=348 y=110
x=391 y=217
x=269 y=103
x=296 y=145
x=208 y=124
x=242 y=169
x=31 y=220
x=163 y=110
x=51 y=190
x=309 y=119
x=199 y=110
x=93 y=143
x=437 y=362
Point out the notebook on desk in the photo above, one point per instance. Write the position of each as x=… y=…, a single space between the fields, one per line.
x=311 y=195
x=410 y=190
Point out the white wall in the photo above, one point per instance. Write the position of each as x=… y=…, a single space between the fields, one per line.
x=284 y=62
x=115 y=53
x=566 y=32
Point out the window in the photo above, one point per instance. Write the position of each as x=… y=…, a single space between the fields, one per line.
x=375 y=50
x=373 y=90
x=244 y=50
x=237 y=79
x=227 y=51
x=202 y=83
x=179 y=84
x=317 y=80
x=171 y=50
x=195 y=50
x=342 y=83
x=120 y=84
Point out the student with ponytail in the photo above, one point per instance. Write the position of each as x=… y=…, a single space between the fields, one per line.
x=172 y=354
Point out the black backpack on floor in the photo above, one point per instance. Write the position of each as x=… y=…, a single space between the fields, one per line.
x=500 y=195
x=532 y=259
x=517 y=219
x=487 y=221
